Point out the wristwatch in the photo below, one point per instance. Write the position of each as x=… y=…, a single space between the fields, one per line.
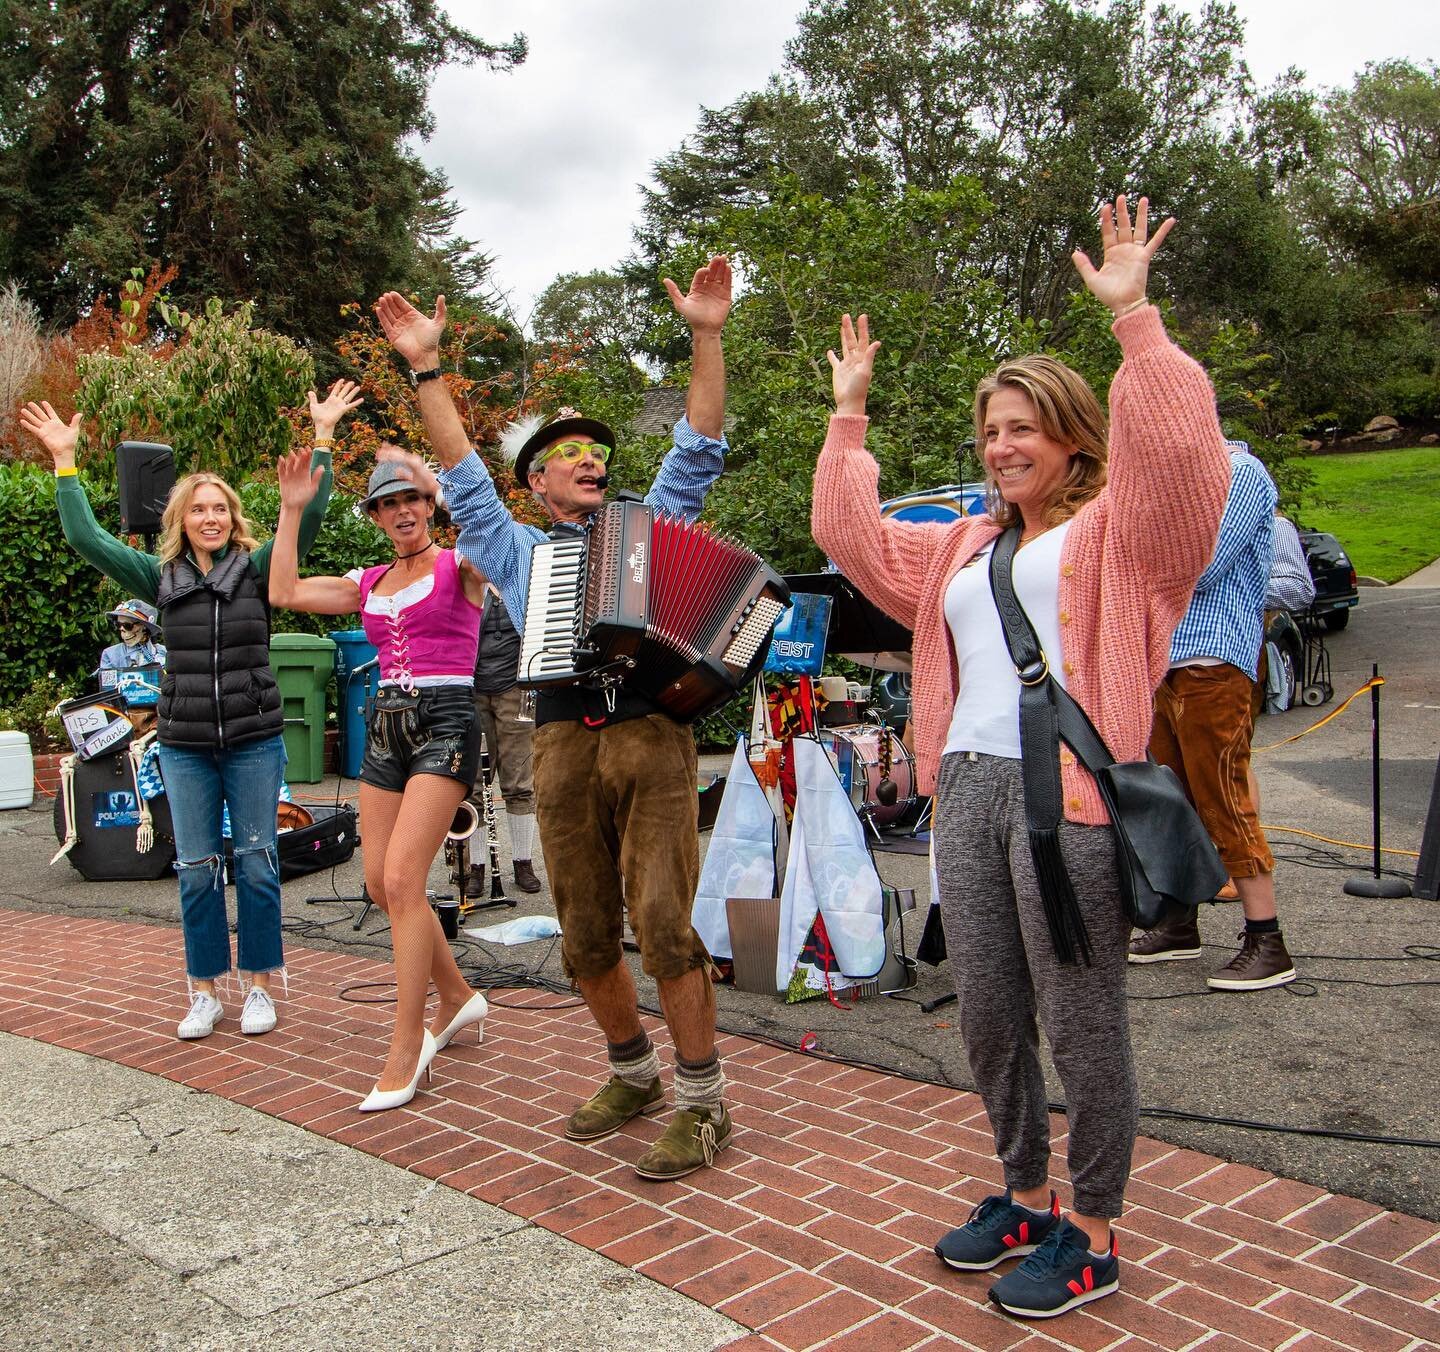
x=420 y=377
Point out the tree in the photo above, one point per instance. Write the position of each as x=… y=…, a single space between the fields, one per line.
x=598 y=310
x=1378 y=190
x=901 y=255
x=219 y=397
x=1050 y=107
x=261 y=148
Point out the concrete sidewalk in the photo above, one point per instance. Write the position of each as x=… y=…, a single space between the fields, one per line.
x=1428 y=576
x=226 y=1193
x=135 y=1212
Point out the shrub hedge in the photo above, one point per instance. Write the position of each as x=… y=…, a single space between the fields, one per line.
x=52 y=603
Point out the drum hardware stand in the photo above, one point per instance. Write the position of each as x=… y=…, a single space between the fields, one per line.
x=1375 y=885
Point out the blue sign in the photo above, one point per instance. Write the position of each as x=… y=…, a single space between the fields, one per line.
x=797 y=647
x=117 y=808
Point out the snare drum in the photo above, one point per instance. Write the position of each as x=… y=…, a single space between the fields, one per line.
x=856 y=754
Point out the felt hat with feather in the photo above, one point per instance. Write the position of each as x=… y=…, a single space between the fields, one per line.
x=526 y=437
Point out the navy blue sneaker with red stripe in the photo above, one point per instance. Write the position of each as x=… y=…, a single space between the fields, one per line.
x=999 y=1228
x=1059 y=1276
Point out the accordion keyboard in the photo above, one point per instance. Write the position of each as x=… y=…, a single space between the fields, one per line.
x=552 y=611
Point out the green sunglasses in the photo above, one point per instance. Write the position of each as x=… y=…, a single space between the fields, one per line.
x=571 y=451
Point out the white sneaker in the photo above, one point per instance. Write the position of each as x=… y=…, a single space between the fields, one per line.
x=205 y=1012
x=258 y=1016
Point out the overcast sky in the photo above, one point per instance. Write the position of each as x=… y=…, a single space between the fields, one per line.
x=547 y=161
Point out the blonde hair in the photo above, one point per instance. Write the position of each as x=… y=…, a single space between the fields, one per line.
x=1068 y=412
x=172 y=524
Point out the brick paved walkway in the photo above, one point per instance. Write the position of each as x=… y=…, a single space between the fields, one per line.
x=813 y=1229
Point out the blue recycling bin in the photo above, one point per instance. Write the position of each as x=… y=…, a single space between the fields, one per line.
x=357 y=678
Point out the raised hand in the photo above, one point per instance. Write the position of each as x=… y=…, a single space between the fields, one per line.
x=852 y=369
x=1120 y=280
x=410 y=333
x=420 y=474
x=298 y=482
x=344 y=397
x=52 y=432
x=705 y=306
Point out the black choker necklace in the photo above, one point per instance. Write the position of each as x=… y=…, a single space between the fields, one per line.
x=417 y=553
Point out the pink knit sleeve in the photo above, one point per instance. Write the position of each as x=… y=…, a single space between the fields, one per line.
x=886 y=559
x=1169 y=470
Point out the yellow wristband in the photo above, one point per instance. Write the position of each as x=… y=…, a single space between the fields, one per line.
x=66 y=473
x=323 y=443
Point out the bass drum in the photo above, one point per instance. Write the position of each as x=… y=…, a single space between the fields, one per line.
x=858 y=754
x=107 y=813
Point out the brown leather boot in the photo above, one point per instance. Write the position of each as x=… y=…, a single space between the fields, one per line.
x=475 y=881
x=525 y=878
x=1174 y=939
x=1262 y=961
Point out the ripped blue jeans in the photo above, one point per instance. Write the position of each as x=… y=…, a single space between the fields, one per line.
x=199 y=784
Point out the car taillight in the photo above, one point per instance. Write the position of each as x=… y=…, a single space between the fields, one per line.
x=1352 y=577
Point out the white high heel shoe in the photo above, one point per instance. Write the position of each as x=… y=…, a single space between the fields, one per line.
x=473 y=1011
x=380 y=1099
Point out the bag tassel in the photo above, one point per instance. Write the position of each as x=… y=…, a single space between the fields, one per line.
x=1057 y=896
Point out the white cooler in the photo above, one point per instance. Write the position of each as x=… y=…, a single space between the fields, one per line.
x=17 y=770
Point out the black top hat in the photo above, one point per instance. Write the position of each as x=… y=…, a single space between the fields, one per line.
x=552 y=432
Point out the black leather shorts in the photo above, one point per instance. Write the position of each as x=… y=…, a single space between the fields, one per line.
x=432 y=731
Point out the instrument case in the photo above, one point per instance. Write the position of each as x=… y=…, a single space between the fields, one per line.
x=329 y=840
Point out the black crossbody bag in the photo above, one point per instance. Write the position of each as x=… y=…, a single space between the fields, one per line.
x=1163 y=855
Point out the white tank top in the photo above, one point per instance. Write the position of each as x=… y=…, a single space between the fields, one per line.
x=987 y=708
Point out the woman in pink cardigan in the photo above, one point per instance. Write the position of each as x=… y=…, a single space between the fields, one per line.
x=1113 y=538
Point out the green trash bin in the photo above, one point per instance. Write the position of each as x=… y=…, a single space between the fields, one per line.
x=303 y=664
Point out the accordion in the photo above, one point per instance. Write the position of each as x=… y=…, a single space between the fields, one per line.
x=672 y=610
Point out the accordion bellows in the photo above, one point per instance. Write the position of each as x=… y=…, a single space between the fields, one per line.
x=667 y=607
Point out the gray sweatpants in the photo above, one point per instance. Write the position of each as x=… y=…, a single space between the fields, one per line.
x=1006 y=973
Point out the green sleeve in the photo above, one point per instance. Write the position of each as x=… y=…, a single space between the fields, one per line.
x=311 y=519
x=136 y=571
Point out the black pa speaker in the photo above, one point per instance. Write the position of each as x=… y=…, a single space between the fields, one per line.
x=145 y=472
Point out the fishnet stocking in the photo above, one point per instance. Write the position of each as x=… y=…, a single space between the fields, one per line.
x=417 y=821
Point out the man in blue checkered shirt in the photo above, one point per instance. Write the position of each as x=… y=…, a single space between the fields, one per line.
x=615 y=780
x=1203 y=725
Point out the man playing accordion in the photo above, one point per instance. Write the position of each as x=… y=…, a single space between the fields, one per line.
x=614 y=777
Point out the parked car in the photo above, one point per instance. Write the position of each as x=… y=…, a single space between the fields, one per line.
x=1334 y=574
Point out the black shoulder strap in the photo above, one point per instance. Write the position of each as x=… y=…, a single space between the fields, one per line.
x=1041 y=699
x=1072 y=723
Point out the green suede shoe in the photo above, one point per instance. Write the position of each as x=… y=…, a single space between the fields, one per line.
x=612 y=1108
x=690 y=1142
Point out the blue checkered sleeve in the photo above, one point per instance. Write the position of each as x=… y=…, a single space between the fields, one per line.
x=1225 y=618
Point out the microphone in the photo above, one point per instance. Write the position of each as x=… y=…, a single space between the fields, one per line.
x=602 y=481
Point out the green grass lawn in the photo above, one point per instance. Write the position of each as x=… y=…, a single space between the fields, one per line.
x=1383 y=506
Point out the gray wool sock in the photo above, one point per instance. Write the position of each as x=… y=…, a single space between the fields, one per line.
x=634 y=1062
x=699 y=1084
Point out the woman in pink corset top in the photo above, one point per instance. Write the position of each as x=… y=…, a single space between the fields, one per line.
x=1115 y=528
x=422 y=613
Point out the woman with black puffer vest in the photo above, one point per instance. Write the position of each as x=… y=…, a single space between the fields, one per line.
x=219 y=714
